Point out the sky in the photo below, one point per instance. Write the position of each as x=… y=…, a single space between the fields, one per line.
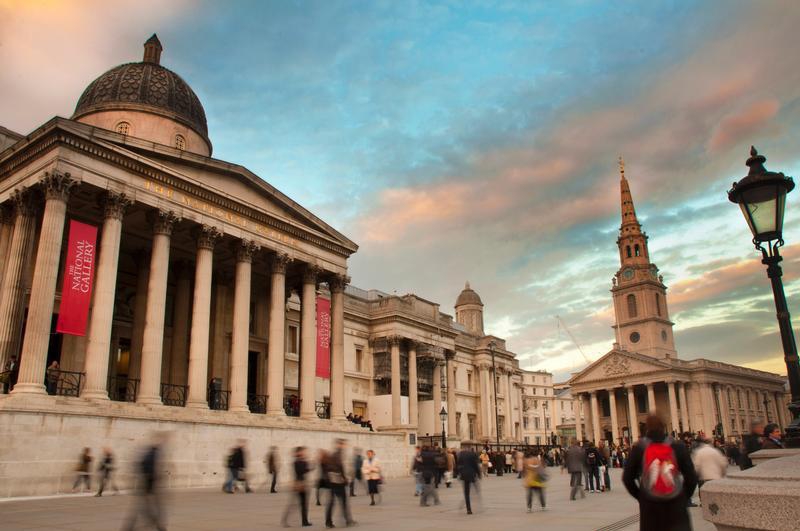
x=478 y=141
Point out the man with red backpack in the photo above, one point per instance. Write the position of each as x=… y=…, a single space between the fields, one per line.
x=660 y=474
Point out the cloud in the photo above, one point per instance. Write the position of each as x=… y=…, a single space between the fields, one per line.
x=744 y=124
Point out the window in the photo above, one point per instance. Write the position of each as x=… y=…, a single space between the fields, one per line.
x=123 y=128
x=631 y=305
x=469 y=381
x=525 y=422
x=658 y=304
x=547 y=423
x=628 y=251
x=544 y=405
x=527 y=440
x=664 y=336
x=471 y=426
x=641 y=402
x=500 y=425
x=636 y=250
x=180 y=142
x=536 y=423
x=359 y=359
x=291 y=340
x=538 y=440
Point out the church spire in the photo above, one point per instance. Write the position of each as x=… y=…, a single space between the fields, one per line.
x=626 y=201
x=632 y=241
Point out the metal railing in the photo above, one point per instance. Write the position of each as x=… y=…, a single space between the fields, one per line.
x=291 y=405
x=257 y=404
x=123 y=389
x=173 y=394
x=218 y=400
x=63 y=383
x=323 y=409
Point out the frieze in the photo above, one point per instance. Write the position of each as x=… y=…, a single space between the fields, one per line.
x=617 y=365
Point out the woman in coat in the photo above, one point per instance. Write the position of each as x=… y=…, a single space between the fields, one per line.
x=371 y=470
x=535 y=476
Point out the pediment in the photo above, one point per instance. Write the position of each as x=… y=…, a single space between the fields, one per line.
x=617 y=364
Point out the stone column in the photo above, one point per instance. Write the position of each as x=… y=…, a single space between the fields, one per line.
x=276 y=349
x=413 y=391
x=707 y=400
x=13 y=290
x=510 y=411
x=394 y=341
x=612 y=402
x=43 y=289
x=153 y=335
x=308 y=342
x=587 y=414
x=686 y=426
x=724 y=411
x=487 y=426
x=595 y=417
x=139 y=310
x=651 y=398
x=748 y=418
x=179 y=355
x=6 y=231
x=673 y=407
x=105 y=287
x=578 y=420
x=207 y=237
x=737 y=414
x=437 y=396
x=632 y=412
x=452 y=427
x=240 y=343
x=337 y=284
x=779 y=410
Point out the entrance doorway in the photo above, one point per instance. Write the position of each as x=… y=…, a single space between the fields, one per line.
x=252 y=372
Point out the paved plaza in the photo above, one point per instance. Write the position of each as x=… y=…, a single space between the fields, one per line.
x=502 y=507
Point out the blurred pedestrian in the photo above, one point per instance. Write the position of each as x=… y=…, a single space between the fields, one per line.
x=83 y=474
x=358 y=462
x=451 y=467
x=106 y=468
x=751 y=443
x=574 y=463
x=416 y=471
x=429 y=469
x=148 y=502
x=301 y=468
x=337 y=481
x=236 y=469
x=322 y=481
x=485 y=463
x=371 y=469
x=535 y=478
x=272 y=467
x=469 y=470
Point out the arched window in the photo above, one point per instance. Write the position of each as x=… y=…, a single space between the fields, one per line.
x=636 y=250
x=628 y=251
x=123 y=128
x=658 y=304
x=180 y=142
x=631 y=305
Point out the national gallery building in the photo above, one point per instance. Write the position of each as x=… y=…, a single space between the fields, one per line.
x=146 y=285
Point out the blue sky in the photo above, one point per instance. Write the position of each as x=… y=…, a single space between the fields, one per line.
x=479 y=140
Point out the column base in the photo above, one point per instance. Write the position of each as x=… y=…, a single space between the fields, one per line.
x=240 y=409
x=29 y=389
x=150 y=401
x=276 y=413
x=308 y=414
x=95 y=395
x=197 y=405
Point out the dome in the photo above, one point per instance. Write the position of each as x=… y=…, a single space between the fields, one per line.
x=145 y=86
x=468 y=296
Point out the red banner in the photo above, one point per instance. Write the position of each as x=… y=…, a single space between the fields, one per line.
x=323 y=338
x=76 y=292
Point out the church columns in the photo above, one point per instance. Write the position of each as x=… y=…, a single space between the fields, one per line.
x=277 y=341
x=394 y=341
x=153 y=336
x=736 y=409
x=651 y=398
x=724 y=415
x=780 y=410
x=486 y=394
x=452 y=428
x=201 y=317
x=240 y=342
x=673 y=407
x=13 y=290
x=633 y=414
x=509 y=410
x=308 y=343
x=413 y=392
x=612 y=402
x=178 y=354
x=43 y=289
x=595 y=417
x=337 y=284
x=685 y=424
x=6 y=230
x=437 y=395
x=578 y=401
x=105 y=286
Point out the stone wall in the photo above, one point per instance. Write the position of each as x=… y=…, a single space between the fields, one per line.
x=42 y=439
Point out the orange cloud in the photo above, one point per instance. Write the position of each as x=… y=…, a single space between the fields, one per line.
x=734 y=128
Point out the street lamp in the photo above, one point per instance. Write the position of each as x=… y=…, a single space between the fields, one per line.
x=766 y=409
x=443 y=416
x=761 y=194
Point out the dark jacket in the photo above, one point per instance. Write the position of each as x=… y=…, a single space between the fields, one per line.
x=771 y=444
x=669 y=515
x=469 y=467
x=335 y=470
x=593 y=454
x=148 y=467
x=574 y=460
x=752 y=443
x=237 y=458
x=428 y=465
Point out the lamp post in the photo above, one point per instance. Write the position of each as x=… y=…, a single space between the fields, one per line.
x=766 y=409
x=443 y=416
x=761 y=194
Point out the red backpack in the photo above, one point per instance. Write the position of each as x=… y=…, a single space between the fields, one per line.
x=661 y=478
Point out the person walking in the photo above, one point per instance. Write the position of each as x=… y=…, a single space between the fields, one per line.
x=272 y=467
x=322 y=481
x=236 y=469
x=751 y=443
x=149 y=499
x=593 y=461
x=574 y=463
x=509 y=461
x=535 y=477
x=709 y=463
x=772 y=438
x=106 y=468
x=469 y=470
x=301 y=468
x=519 y=462
x=358 y=462
x=660 y=475
x=605 y=477
x=82 y=470
x=416 y=471
x=429 y=470
x=451 y=467
x=338 y=482
x=371 y=470
x=485 y=461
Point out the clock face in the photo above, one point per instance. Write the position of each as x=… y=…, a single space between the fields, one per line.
x=635 y=337
x=627 y=273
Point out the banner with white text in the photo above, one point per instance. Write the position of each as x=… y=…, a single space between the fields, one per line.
x=323 y=338
x=76 y=292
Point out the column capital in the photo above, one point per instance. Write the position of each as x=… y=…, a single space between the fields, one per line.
x=449 y=355
x=413 y=344
x=337 y=283
x=163 y=221
x=245 y=249
x=22 y=199
x=394 y=340
x=57 y=185
x=311 y=273
x=279 y=262
x=207 y=236
x=115 y=204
